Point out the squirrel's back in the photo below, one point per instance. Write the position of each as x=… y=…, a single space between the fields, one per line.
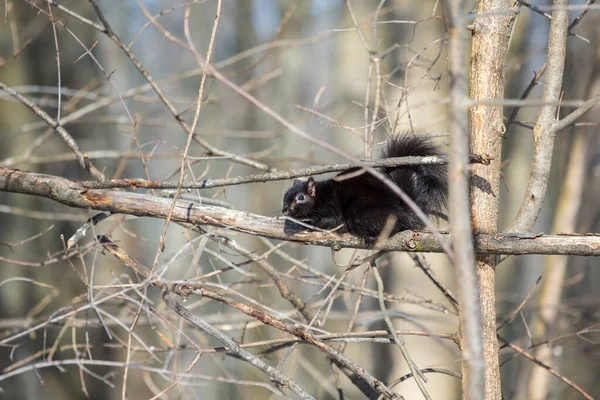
x=426 y=184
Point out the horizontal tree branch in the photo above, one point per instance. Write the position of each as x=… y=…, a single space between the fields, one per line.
x=273 y=176
x=73 y=194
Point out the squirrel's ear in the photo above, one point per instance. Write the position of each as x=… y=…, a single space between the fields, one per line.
x=311 y=187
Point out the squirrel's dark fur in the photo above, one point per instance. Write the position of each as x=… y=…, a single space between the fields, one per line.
x=362 y=204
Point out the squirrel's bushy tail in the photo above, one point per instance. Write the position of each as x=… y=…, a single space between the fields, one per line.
x=426 y=184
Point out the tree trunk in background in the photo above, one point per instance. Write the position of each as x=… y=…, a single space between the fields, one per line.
x=489 y=51
x=555 y=267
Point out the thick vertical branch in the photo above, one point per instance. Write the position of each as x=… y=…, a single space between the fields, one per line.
x=471 y=339
x=491 y=36
x=546 y=126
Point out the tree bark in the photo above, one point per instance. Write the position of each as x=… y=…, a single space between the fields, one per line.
x=490 y=42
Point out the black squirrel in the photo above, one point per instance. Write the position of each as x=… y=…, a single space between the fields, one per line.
x=361 y=203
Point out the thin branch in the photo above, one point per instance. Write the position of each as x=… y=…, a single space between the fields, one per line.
x=272 y=176
x=294 y=330
x=427 y=371
x=412 y=366
x=535 y=9
x=85 y=163
x=577 y=20
x=17 y=53
x=517 y=310
x=185 y=290
x=106 y=29
x=424 y=265
x=273 y=373
x=190 y=136
x=547 y=368
x=534 y=82
x=569 y=119
x=59 y=94
x=192 y=378
x=284 y=290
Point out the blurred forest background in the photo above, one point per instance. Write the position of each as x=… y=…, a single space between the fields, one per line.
x=306 y=61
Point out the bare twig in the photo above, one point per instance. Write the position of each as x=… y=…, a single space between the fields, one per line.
x=517 y=310
x=190 y=136
x=273 y=373
x=52 y=123
x=297 y=331
x=273 y=176
x=426 y=371
x=547 y=368
x=414 y=369
x=424 y=265
x=534 y=82
x=285 y=291
x=106 y=29
x=569 y=119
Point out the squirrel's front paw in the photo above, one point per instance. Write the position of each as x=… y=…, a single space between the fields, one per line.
x=370 y=241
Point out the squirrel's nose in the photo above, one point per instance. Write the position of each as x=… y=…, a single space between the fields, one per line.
x=285 y=210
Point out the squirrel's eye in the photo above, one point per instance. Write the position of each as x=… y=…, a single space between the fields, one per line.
x=301 y=197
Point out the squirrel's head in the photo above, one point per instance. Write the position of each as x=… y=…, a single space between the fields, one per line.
x=299 y=200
